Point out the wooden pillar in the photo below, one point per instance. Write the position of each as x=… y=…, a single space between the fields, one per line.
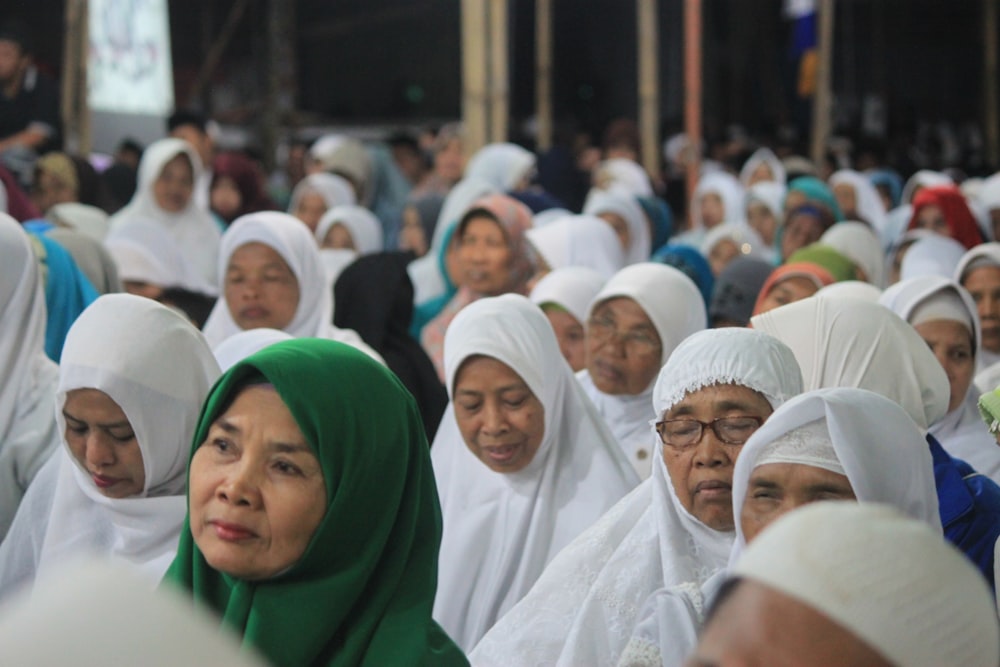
x=991 y=90
x=692 y=92
x=543 y=72
x=649 y=85
x=823 y=99
x=75 y=104
x=499 y=72
x=474 y=74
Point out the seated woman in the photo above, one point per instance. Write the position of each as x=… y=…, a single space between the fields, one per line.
x=564 y=296
x=632 y=329
x=164 y=197
x=27 y=393
x=313 y=521
x=944 y=315
x=979 y=273
x=830 y=444
x=318 y=193
x=271 y=276
x=790 y=283
x=676 y=527
x=494 y=259
x=620 y=209
x=943 y=210
x=523 y=462
x=115 y=489
x=350 y=228
x=717 y=198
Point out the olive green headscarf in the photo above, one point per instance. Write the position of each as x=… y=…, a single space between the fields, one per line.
x=363 y=591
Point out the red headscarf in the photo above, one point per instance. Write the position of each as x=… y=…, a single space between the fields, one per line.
x=248 y=178
x=957 y=215
x=813 y=272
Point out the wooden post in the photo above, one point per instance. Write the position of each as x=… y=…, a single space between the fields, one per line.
x=499 y=72
x=823 y=99
x=474 y=74
x=692 y=93
x=75 y=107
x=991 y=91
x=543 y=72
x=649 y=88
x=214 y=54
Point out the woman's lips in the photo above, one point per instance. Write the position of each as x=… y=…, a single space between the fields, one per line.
x=103 y=481
x=231 y=532
x=253 y=313
x=501 y=453
x=713 y=488
x=606 y=371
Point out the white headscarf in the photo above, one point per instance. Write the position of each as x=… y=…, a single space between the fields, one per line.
x=583 y=608
x=868 y=204
x=763 y=156
x=851 y=432
x=857 y=242
x=572 y=288
x=364 y=228
x=425 y=272
x=501 y=530
x=933 y=255
x=287 y=236
x=747 y=240
x=850 y=289
x=851 y=343
x=335 y=191
x=623 y=203
x=579 y=240
x=88 y=220
x=884 y=578
x=238 y=347
x=624 y=173
x=989 y=193
x=961 y=432
x=729 y=190
x=771 y=195
x=676 y=308
x=145 y=252
x=984 y=254
x=27 y=392
x=193 y=229
x=501 y=165
x=118 y=345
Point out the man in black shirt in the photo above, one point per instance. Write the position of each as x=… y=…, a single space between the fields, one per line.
x=29 y=103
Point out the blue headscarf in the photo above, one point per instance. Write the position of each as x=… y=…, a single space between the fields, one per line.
x=887 y=178
x=662 y=218
x=67 y=292
x=691 y=263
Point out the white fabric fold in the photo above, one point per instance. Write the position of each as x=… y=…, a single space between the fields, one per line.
x=364 y=228
x=579 y=240
x=572 y=288
x=621 y=202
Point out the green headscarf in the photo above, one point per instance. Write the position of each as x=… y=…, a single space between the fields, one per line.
x=363 y=591
x=839 y=266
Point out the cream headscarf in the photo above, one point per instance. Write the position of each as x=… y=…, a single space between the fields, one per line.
x=763 y=156
x=193 y=229
x=364 y=228
x=623 y=203
x=501 y=165
x=501 y=530
x=27 y=394
x=578 y=241
x=676 y=308
x=571 y=288
x=583 y=608
x=118 y=345
x=296 y=245
x=857 y=242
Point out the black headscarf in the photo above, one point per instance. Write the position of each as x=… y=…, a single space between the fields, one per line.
x=374 y=296
x=736 y=291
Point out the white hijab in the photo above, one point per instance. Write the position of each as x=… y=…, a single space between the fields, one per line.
x=579 y=240
x=747 y=240
x=621 y=202
x=27 y=392
x=763 y=156
x=364 y=228
x=583 y=608
x=857 y=242
x=238 y=347
x=118 y=345
x=984 y=254
x=932 y=255
x=145 y=252
x=296 y=245
x=675 y=318
x=501 y=530
x=624 y=173
x=88 y=220
x=853 y=432
x=961 y=431
x=850 y=343
x=501 y=165
x=193 y=229
x=335 y=191
x=425 y=272
x=572 y=288
x=868 y=203
x=729 y=190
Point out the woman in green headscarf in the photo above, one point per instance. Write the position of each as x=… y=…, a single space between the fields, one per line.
x=313 y=519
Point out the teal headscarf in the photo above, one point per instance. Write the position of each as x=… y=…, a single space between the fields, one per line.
x=363 y=591
x=428 y=310
x=817 y=192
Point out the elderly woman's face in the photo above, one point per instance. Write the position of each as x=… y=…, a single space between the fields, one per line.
x=499 y=417
x=777 y=488
x=310 y=209
x=570 y=334
x=801 y=229
x=702 y=474
x=257 y=492
x=260 y=288
x=485 y=256
x=951 y=343
x=102 y=441
x=623 y=347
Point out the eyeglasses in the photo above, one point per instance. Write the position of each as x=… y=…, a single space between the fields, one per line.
x=683 y=434
x=603 y=330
